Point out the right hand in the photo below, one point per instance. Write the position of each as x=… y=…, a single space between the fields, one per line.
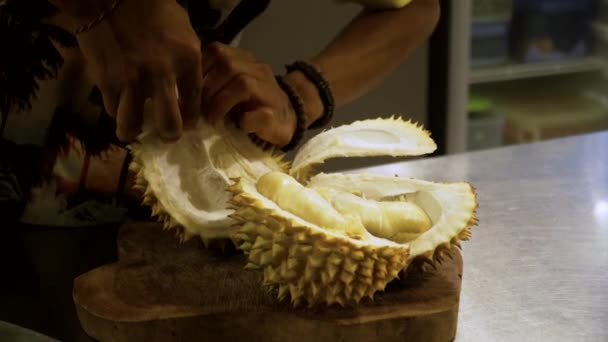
x=146 y=49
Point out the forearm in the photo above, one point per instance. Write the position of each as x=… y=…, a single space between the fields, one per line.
x=367 y=50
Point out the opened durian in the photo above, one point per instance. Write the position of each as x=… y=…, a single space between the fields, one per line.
x=326 y=238
x=185 y=182
x=338 y=238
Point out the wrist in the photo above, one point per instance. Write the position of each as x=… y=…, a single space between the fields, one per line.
x=311 y=100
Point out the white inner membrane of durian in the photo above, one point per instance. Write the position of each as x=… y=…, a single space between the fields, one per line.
x=398 y=220
x=189 y=177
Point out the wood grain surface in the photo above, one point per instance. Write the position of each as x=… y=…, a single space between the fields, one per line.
x=164 y=290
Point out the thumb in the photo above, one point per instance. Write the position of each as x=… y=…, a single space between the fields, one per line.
x=256 y=121
x=262 y=122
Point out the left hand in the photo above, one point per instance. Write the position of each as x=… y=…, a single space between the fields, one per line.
x=235 y=85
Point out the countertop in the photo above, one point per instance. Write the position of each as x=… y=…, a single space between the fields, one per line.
x=536 y=268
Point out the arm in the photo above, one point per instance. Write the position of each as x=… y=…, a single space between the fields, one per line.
x=238 y=86
x=376 y=42
x=142 y=49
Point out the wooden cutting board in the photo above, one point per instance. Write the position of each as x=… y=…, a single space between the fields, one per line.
x=161 y=290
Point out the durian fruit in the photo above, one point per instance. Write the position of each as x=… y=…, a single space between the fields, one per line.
x=184 y=182
x=338 y=238
x=306 y=248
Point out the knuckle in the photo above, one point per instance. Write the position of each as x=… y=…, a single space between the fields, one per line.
x=192 y=51
x=157 y=66
x=246 y=82
x=266 y=69
x=226 y=65
x=266 y=116
x=217 y=49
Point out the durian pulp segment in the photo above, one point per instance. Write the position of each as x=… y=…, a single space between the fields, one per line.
x=366 y=138
x=396 y=220
x=308 y=204
x=310 y=263
x=185 y=181
x=450 y=206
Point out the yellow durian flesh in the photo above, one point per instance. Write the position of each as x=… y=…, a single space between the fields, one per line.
x=397 y=220
x=450 y=206
x=293 y=197
x=310 y=263
x=185 y=182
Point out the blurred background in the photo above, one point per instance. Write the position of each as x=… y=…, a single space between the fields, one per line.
x=495 y=72
x=537 y=70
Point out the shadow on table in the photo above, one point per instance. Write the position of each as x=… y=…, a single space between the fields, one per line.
x=38 y=266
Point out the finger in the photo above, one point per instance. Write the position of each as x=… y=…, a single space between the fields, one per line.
x=167 y=116
x=129 y=115
x=222 y=73
x=110 y=97
x=261 y=122
x=256 y=121
x=218 y=51
x=235 y=93
x=190 y=84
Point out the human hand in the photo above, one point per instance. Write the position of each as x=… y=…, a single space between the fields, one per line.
x=237 y=86
x=146 y=49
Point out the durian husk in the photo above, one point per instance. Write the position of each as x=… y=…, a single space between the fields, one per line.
x=393 y=136
x=308 y=263
x=184 y=182
x=302 y=260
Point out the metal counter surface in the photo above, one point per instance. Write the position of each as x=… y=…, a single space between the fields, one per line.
x=536 y=268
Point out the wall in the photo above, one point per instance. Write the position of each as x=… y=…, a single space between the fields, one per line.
x=291 y=30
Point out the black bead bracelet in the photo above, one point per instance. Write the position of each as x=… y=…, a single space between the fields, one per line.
x=323 y=88
x=298 y=107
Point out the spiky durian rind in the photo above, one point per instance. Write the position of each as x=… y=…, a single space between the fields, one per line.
x=267 y=232
x=404 y=138
x=311 y=265
x=149 y=199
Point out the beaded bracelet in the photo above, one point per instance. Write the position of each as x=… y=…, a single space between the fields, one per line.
x=100 y=17
x=298 y=107
x=322 y=87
